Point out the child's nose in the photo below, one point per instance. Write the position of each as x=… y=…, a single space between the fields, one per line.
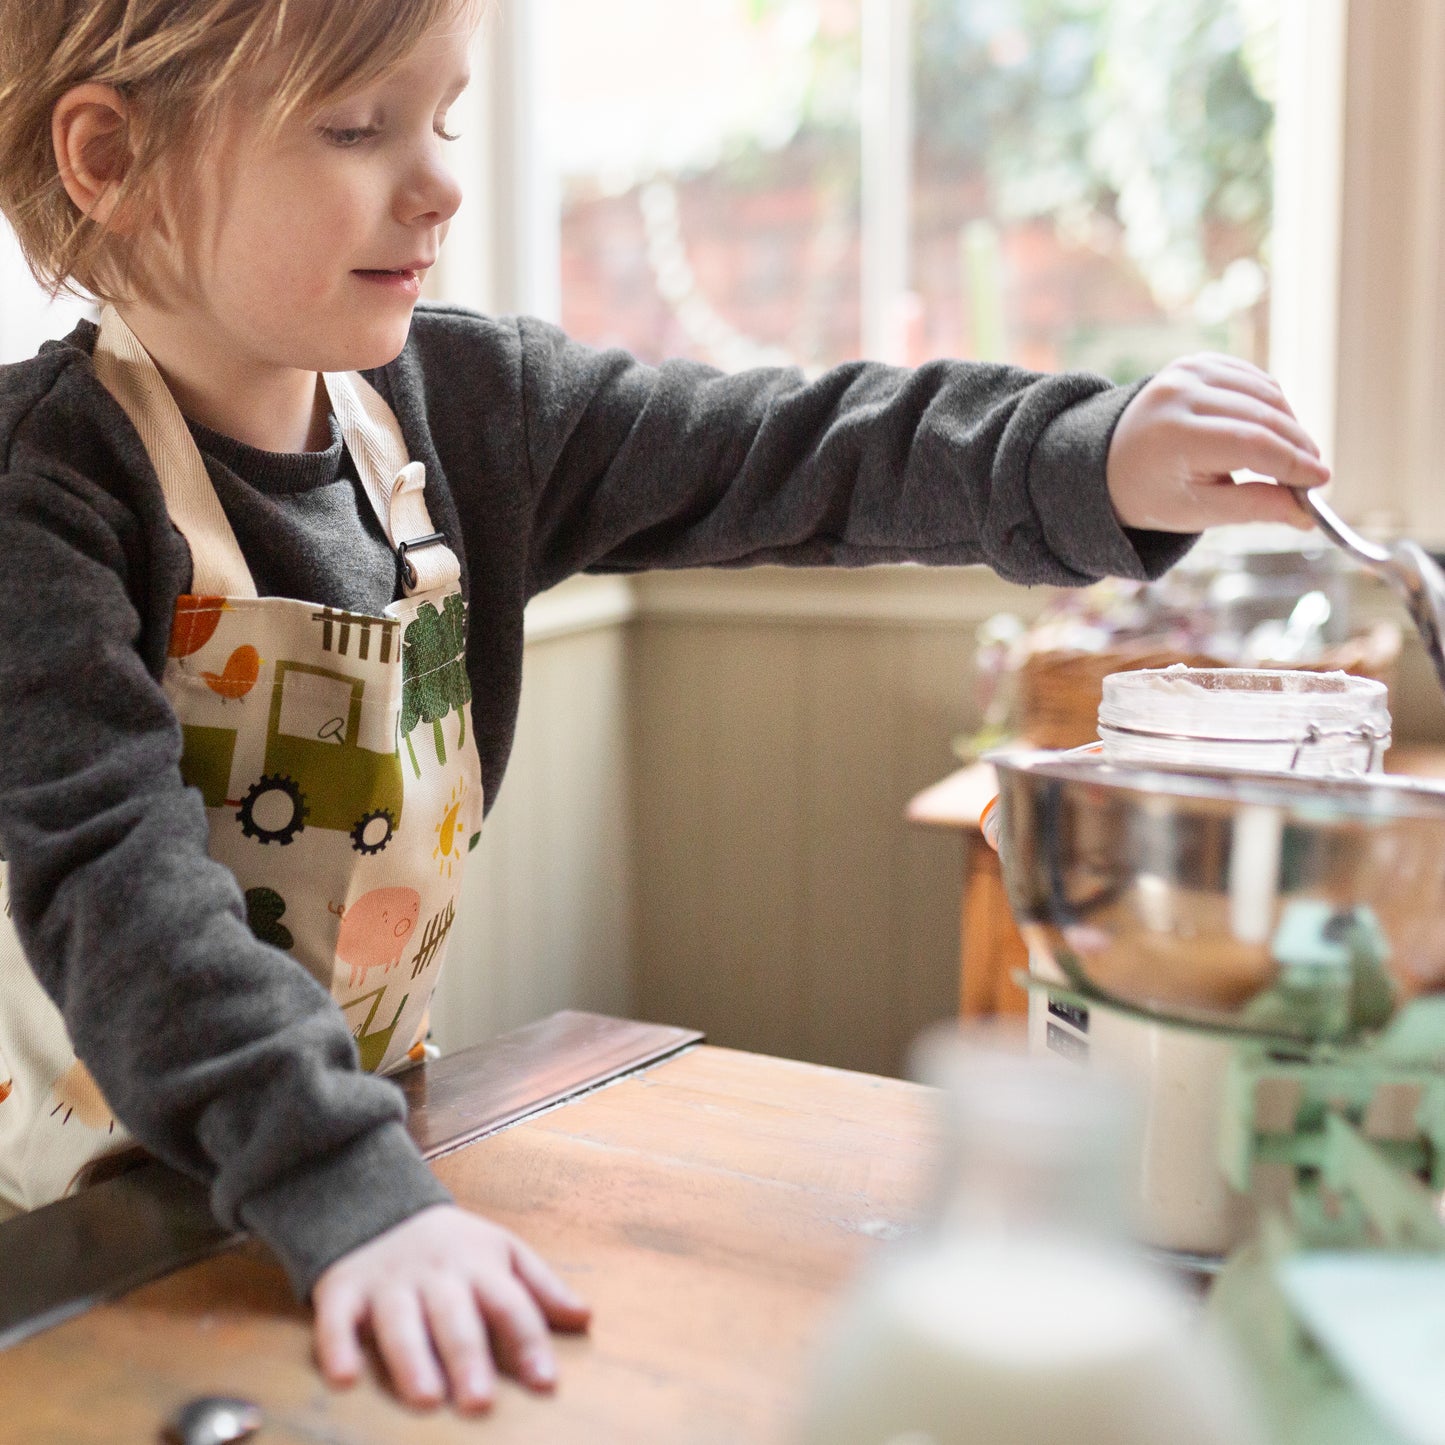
x=433 y=196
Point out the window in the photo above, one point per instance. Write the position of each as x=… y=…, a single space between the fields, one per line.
x=709 y=165
x=1052 y=182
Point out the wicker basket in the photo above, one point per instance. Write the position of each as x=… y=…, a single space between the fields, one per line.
x=1059 y=692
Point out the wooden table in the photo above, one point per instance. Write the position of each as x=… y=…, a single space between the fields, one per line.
x=991 y=951
x=710 y=1207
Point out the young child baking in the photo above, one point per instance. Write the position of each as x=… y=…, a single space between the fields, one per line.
x=268 y=532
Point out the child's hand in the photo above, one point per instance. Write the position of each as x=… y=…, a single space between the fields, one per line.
x=1196 y=422
x=433 y=1290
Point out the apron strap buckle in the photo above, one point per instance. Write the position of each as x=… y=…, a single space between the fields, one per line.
x=408 y=572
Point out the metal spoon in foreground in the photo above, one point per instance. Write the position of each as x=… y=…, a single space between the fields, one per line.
x=213 y=1420
x=1405 y=565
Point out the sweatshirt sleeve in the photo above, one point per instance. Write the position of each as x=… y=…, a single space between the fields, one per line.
x=219 y=1053
x=954 y=463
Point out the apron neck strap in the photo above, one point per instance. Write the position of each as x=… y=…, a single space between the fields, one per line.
x=127 y=372
x=395 y=486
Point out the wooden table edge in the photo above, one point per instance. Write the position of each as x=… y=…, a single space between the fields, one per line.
x=153 y=1220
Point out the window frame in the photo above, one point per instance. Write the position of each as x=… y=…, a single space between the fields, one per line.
x=1389 y=361
x=1310 y=138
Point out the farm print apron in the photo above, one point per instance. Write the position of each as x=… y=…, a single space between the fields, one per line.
x=335 y=756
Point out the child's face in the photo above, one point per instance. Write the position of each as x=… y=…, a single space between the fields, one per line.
x=308 y=249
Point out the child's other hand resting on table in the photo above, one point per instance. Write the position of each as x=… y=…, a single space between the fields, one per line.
x=444 y=1294
x=1199 y=420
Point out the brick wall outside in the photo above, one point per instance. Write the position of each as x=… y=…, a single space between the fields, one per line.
x=779 y=261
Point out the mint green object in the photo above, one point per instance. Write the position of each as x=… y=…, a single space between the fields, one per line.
x=1339 y=1308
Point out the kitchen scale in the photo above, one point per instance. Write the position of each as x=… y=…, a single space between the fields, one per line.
x=1303 y=918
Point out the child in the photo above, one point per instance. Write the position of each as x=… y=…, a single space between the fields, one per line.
x=239 y=696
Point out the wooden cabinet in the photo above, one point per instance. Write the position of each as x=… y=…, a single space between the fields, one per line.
x=991 y=951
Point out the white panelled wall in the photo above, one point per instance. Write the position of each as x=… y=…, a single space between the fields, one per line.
x=703 y=820
x=547 y=922
x=782 y=724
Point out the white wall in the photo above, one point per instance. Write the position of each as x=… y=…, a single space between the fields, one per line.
x=784 y=905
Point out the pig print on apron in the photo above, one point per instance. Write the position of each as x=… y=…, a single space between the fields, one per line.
x=334 y=752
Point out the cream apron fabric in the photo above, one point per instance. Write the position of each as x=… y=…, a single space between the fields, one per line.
x=334 y=751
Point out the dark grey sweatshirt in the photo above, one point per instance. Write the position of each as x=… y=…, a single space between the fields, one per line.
x=543 y=458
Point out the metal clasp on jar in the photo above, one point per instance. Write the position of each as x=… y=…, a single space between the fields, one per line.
x=1373 y=738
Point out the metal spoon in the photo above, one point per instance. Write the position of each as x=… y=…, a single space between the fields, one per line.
x=212 y=1420
x=1405 y=565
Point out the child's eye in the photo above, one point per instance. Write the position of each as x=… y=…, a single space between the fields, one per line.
x=346 y=136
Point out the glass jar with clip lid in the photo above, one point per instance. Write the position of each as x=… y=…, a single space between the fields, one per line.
x=1320 y=723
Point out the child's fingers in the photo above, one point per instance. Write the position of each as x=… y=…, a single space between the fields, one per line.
x=1228 y=503
x=560 y=1303
x=1227 y=445
x=339 y=1313
x=1265 y=390
x=1236 y=375
x=1220 y=358
x=1242 y=406
x=461 y=1343
x=520 y=1341
x=405 y=1344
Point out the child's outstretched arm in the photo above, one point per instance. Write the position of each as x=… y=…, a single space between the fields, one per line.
x=444 y=1294
x=1188 y=429
x=1060 y=479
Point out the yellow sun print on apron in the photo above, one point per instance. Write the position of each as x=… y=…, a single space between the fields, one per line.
x=448 y=851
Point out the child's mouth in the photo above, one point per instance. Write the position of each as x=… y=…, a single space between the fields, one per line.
x=406 y=280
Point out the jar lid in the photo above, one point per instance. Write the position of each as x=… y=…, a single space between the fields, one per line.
x=1246 y=704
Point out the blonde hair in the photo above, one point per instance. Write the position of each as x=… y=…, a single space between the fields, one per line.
x=176 y=62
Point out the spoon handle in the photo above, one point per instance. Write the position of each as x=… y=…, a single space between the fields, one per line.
x=1338 y=531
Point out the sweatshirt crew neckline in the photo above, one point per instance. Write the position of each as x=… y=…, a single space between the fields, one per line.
x=278 y=473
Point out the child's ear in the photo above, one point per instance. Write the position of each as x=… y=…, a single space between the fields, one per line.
x=90 y=129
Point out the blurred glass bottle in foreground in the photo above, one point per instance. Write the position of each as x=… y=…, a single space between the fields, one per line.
x=1018 y=1315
